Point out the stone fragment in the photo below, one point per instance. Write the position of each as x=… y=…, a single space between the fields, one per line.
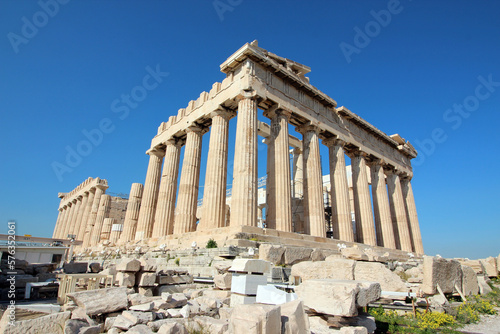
x=137 y=298
x=174 y=313
x=484 y=288
x=211 y=325
x=474 y=264
x=222 y=268
x=321 y=254
x=126 y=279
x=255 y=319
x=353 y=330
x=108 y=323
x=146 y=279
x=377 y=272
x=146 y=307
x=368 y=292
x=272 y=253
x=269 y=294
x=100 y=300
x=156 y=325
x=225 y=313
x=94 y=267
x=91 y=330
x=295 y=255
x=73 y=326
x=469 y=281
x=114 y=330
x=490 y=266
x=147 y=291
x=139 y=317
x=223 y=281
x=250 y=266
x=332 y=269
x=247 y=284
x=335 y=297
x=178 y=300
x=173 y=328
x=174 y=279
x=354 y=253
x=294 y=320
x=129 y=265
x=376 y=255
x=217 y=294
x=148 y=265
x=415 y=274
x=75 y=267
x=124 y=323
x=166 y=296
x=237 y=299
x=441 y=271
x=140 y=329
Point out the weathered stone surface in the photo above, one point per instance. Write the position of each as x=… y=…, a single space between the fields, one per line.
x=377 y=272
x=209 y=324
x=295 y=255
x=146 y=307
x=247 y=284
x=223 y=281
x=250 y=266
x=75 y=267
x=333 y=269
x=354 y=253
x=101 y=300
x=174 y=279
x=124 y=323
x=147 y=291
x=353 y=330
x=440 y=271
x=173 y=328
x=126 y=279
x=73 y=326
x=376 y=255
x=469 y=281
x=222 y=268
x=130 y=265
x=272 y=253
x=52 y=323
x=294 y=320
x=108 y=323
x=139 y=317
x=368 y=292
x=269 y=294
x=91 y=330
x=490 y=266
x=94 y=267
x=140 y=329
x=484 y=288
x=237 y=299
x=415 y=274
x=148 y=265
x=335 y=297
x=178 y=300
x=156 y=325
x=166 y=296
x=137 y=298
x=474 y=264
x=145 y=279
x=225 y=313
x=217 y=294
x=321 y=254
x=255 y=319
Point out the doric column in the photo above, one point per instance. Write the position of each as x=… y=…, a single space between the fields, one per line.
x=279 y=168
x=244 y=193
x=59 y=229
x=411 y=214
x=116 y=231
x=58 y=222
x=298 y=175
x=339 y=190
x=86 y=214
x=150 y=195
x=185 y=212
x=106 y=228
x=398 y=212
x=365 y=229
x=71 y=219
x=270 y=185
x=314 y=211
x=164 y=216
x=132 y=213
x=78 y=207
x=99 y=191
x=102 y=213
x=81 y=213
x=214 y=195
x=381 y=209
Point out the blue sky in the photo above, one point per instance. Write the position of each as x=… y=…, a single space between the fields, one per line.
x=406 y=67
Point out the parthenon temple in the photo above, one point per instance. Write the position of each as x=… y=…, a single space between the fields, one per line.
x=371 y=201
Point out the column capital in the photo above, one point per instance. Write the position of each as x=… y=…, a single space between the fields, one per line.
x=173 y=141
x=276 y=111
x=297 y=150
x=227 y=114
x=377 y=162
x=357 y=152
x=158 y=151
x=310 y=126
x=333 y=141
x=246 y=94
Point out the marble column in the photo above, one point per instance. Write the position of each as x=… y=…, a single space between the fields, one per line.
x=398 y=212
x=73 y=230
x=298 y=175
x=164 y=216
x=81 y=213
x=185 y=212
x=102 y=213
x=339 y=190
x=244 y=193
x=365 y=229
x=150 y=195
x=106 y=228
x=214 y=195
x=70 y=220
x=86 y=214
x=132 y=213
x=116 y=231
x=314 y=212
x=411 y=214
x=279 y=168
x=60 y=214
x=270 y=185
x=99 y=191
x=381 y=208
x=60 y=228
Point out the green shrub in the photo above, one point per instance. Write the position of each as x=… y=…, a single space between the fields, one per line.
x=211 y=244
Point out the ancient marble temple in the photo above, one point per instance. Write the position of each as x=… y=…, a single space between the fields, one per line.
x=382 y=198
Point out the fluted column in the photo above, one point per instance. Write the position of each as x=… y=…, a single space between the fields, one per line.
x=78 y=206
x=58 y=222
x=270 y=185
x=150 y=195
x=132 y=213
x=102 y=213
x=398 y=213
x=99 y=191
x=244 y=193
x=411 y=214
x=185 y=212
x=279 y=167
x=314 y=212
x=365 y=229
x=86 y=214
x=214 y=195
x=298 y=175
x=339 y=190
x=106 y=228
x=116 y=230
x=164 y=216
x=60 y=228
x=381 y=208
x=81 y=212
x=70 y=220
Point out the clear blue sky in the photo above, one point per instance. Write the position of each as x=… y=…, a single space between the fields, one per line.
x=61 y=73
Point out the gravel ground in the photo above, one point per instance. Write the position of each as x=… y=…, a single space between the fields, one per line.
x=489 y=324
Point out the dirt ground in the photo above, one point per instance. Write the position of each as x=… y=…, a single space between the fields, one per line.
x=489 y=324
